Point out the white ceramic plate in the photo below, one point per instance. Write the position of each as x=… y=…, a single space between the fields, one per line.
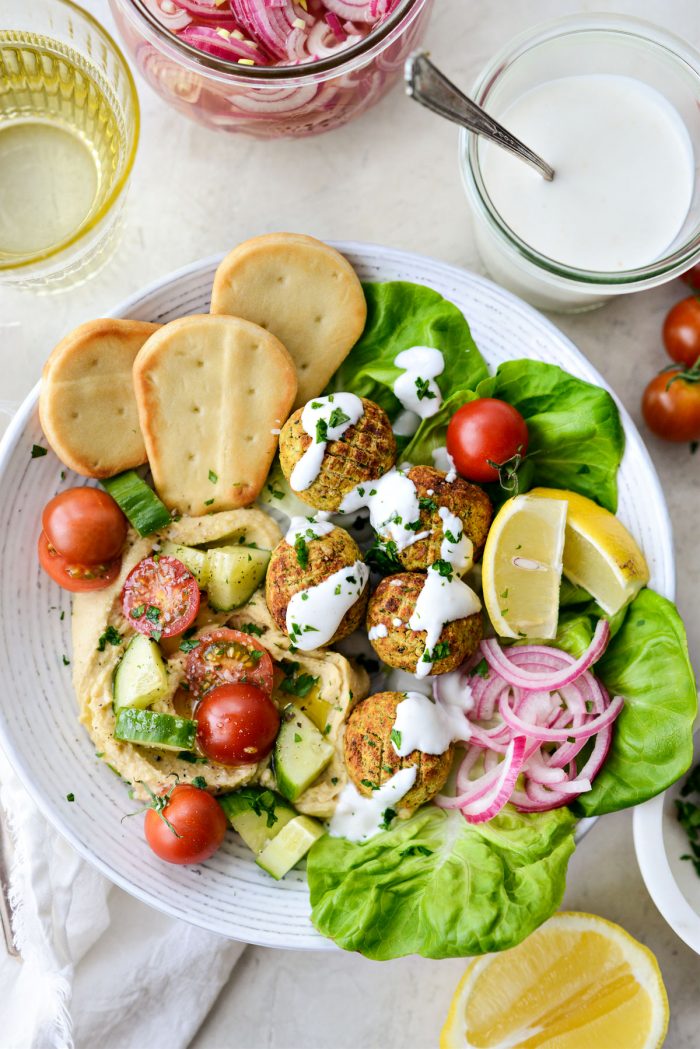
x=660 y=841
x=39 y=729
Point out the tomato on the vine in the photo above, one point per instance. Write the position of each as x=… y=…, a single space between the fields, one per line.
x=681 y=331
x=237 y=724
x=484 y=435
x=77 y=578
x=185 y=825
x=671 y=404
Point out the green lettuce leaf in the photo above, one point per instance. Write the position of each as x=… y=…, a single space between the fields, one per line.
x=401 y=315
x=437 y=886
x=646 y=663
x=576 y=436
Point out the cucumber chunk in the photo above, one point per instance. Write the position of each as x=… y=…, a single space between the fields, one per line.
x=151 y=729
x=289 y=846
x=140 y=678
x=257 y=814
x=235 y=573
x=138 y=501
x=301 y=754
x=195 y=561
x=278 y=495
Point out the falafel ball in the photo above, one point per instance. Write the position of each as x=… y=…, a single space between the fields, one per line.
x=465 y=501
x=371 y=759
x=365 y=451
x=390 y=608
x=306 y=564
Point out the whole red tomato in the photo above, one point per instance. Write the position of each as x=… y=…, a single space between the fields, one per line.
x=671 y=405
x=187 y=825
x=237 y=724
x=483 y=435
x=681 y=331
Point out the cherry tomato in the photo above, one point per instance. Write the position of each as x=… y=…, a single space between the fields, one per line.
x=224 y=657
x=85 y=525
x=197 y=825
x=482 y=432
x=672 y=409
x=160 y=597
x=692 y=276
x=681 y=331
x=237 y=724
x=75 y=577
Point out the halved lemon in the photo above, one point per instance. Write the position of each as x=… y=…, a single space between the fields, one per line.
x=599 y=553
x=578 y=982
x=522 y=567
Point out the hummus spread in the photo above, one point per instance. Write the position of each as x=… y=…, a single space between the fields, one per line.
x=337 y=683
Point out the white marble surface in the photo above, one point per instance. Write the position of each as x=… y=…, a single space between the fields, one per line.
x=392 y=178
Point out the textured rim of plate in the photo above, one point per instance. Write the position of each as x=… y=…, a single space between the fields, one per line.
x=650 y=847
x=362 y=255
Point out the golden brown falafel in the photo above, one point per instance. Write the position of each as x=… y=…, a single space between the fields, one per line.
x=391 y=606
x=364 y=452
x=371 y=759
x=295 y=568
x=466 y=501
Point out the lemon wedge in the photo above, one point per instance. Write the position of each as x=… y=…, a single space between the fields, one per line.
x=599 y=553
x=578 y=982
x=522 y=567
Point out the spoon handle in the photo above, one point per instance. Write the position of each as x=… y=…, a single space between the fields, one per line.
x=427 y=85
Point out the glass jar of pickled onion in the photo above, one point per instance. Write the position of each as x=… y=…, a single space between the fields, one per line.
x=271 y=68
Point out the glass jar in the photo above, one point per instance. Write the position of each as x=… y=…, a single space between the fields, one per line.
x=574 y=46
x=271 y=101
x=69 y=127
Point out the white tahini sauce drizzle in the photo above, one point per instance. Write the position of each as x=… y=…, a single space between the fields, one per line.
x=453 y=690
x=358 y=818
x=406 y=423
x=392 y=501
x=416 y=387
x=428 y=726
x=444 y=461
x=302 y=527
x=379 y=630
x=442 y=600
x=458 y=549
x=314 y=615
x=347 y=407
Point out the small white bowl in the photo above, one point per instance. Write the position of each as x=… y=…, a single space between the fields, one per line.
x=660 y=841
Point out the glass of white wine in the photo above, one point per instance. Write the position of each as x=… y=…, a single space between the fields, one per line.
x=69 y=125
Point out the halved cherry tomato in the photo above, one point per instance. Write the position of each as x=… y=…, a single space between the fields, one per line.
x=195 y=827
x=237 y=724
x=85 y=525
x=75 y=577
x=681 y=331
x=483 y=435
x=671 y=406
x=224 y=657
x=160 y=597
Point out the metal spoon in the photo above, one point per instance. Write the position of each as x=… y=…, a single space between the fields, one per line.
x=432 y=89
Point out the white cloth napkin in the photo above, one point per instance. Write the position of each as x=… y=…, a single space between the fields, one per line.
x=98 y=968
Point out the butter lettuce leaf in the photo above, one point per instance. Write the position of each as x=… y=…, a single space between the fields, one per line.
x=437 y=886
x=401 y=315
x=647 y=663
x=576 y=435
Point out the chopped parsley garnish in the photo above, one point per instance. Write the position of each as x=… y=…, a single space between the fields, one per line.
x=387 y=816
x=189 y=644
x=384 y=556
x=504 y=595
x=199 y=782
x=334 y=780
x=451 y=537
x=350 y=579
x=298 y=684
x=337 y=418
x=302 y=551
x=38 y=451
x=186 y=755
x=443 y=568
x=213 y=477
x=414 y=526
x=424 y=391
x=338 y=590
x=70 y=797
x=369 y=784
x=426 y=503
x=326 y=730
x=153 y=614
x=137 y=611
x=66 y=661
x=275 y=492
x=416 y=850
x=305 y=595
x=482 y=669
x=255 y=654
x=252 y=628
x=111 y=636
x=297 y=737
x=441 y=651
x=321 y=431
x=63 y=475
x=316 y=404
x=373 y=491
x=208 y=502
x=396 y=738
x=62 y=616
x=308 y=629
x=360 y=490
x=261 y=803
